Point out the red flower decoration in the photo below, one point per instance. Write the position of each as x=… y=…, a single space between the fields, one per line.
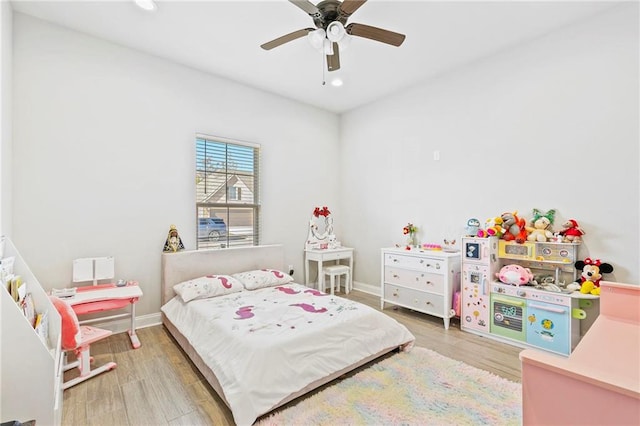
x=324 y=211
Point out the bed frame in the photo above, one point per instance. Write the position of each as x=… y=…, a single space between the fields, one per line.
x=185 y=265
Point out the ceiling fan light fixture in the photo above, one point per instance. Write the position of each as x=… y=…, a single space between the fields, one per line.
x=148 y=5
x=335 y=31
x=345 y=42
x=328 y=47
x=317 y=38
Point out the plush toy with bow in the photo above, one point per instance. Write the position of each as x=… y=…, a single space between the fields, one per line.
x=592 y=270
x=571 y=232
x=540 y=229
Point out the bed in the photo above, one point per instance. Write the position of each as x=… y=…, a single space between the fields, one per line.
x=271 y=341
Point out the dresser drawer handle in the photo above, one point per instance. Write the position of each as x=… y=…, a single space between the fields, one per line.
x=429 y=283
x=395 y=294
x=396 y=276
x=395 y=259
x=428 y=303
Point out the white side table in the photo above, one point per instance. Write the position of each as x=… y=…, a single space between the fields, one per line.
x=327 y=255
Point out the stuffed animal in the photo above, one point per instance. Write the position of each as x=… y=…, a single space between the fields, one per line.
x=541 y=230
x=492 y=228
x=571 y=232
x=514 y=227
x=515 y=275
x=473 y=225
x=592 y=270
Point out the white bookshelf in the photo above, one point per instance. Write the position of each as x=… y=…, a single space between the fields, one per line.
x=31 y=369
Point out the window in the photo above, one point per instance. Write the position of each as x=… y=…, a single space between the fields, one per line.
x=227 y=192
x=235 y=193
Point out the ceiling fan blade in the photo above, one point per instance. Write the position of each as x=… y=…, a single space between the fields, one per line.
x=333 y=61
x=286 y=38
x=307 y=6
x=375 y=33
x=347 y=7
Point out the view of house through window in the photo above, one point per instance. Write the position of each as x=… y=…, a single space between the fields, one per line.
x=227 y=199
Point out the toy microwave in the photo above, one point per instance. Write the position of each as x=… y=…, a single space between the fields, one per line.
x=480 y=250
x=513 y=250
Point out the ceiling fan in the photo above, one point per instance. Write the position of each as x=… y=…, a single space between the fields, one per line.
x=330 y=18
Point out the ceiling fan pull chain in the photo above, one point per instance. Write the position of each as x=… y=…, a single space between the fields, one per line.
x=324 y=59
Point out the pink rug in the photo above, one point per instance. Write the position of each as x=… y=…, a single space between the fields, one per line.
x=420 y=387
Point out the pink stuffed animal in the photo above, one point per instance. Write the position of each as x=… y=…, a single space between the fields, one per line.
x=515 y=275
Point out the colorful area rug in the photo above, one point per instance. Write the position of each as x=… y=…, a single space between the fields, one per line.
x=420 y=387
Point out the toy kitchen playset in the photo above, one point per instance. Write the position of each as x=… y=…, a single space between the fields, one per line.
x=543 y=316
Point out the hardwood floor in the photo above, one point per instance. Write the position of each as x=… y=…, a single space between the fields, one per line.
x=158 y=385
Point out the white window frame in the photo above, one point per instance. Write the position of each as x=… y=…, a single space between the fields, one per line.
x=229 y=210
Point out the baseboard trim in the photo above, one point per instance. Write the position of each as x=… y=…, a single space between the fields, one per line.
x=366 y=288
x=123 y=325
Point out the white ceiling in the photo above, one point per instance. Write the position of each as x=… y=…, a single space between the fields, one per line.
x=224 y=38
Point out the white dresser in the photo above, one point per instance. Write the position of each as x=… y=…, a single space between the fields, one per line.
x=420 y=280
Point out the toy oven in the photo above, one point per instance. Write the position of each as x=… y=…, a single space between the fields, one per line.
x=507 y=317
x=513 y=250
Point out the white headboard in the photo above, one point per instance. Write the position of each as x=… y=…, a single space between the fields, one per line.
x=185 y=265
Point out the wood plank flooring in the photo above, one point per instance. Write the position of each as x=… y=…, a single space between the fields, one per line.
x=158 y=385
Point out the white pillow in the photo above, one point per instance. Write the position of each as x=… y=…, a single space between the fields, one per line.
x=260 y=278
x=207 y=286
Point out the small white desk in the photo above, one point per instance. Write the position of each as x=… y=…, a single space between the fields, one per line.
x=320 y=256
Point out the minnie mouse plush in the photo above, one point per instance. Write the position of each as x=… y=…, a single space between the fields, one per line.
x=592 y=270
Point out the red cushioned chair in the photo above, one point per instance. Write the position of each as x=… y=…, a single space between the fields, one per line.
x=78 y=339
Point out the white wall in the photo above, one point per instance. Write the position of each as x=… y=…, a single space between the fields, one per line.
x=103 y=134
x=104 y=154
x=6 y=52
x=551 y=124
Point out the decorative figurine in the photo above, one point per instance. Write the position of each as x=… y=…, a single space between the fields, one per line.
x=174 y=242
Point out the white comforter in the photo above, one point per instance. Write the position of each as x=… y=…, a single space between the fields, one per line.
x=266 y=344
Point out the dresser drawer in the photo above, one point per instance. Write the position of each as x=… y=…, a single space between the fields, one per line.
x=336 y=256
x=427 y=264
x=423 y=281
x=420 y=301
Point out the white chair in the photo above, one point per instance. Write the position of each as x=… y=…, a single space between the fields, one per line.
x=337 y=271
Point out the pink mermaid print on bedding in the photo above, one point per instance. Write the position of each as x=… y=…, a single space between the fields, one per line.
x=287 y=290
x=310 y=308
x=316 y=292
x=244 y=312
x=278 y=274
x=225 y=282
